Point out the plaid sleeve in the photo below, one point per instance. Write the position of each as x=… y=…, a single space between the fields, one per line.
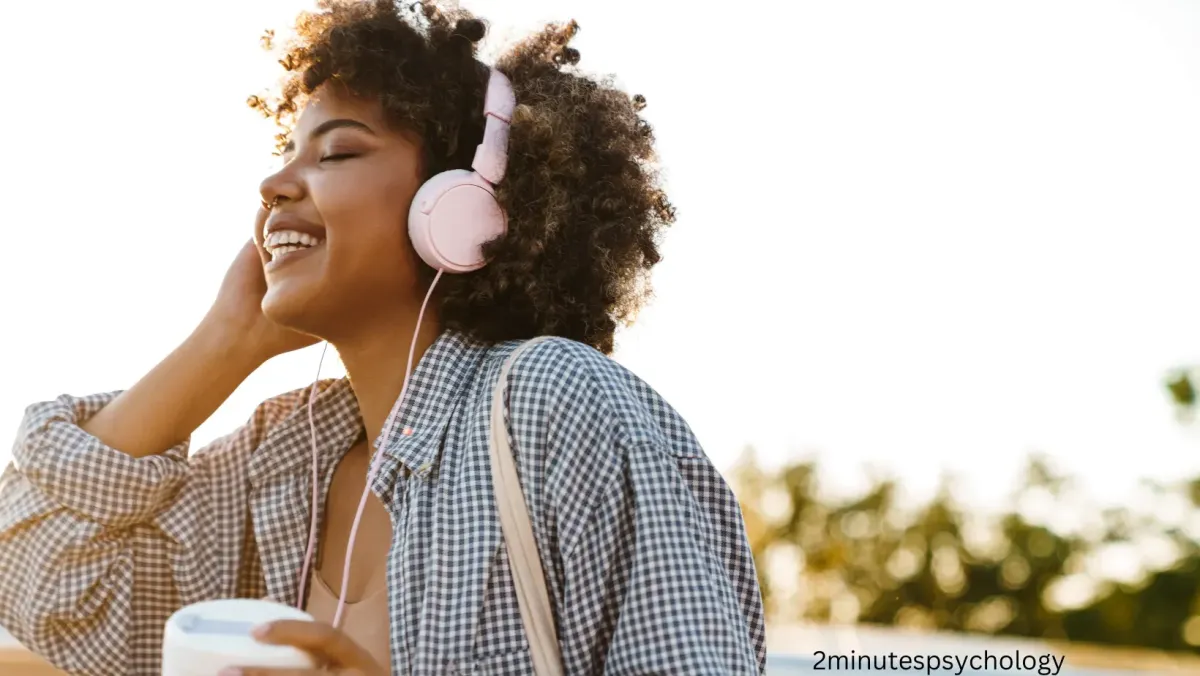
x=67 y=465
x=98 y=548
x=669 y=598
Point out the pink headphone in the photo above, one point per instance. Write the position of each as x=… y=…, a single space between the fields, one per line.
x=455 y=213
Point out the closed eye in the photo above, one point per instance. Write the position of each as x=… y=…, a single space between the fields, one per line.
x=337 y=157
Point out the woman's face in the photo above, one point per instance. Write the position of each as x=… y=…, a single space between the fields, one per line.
x=334 y=244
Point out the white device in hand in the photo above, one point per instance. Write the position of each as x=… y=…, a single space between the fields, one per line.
x=206 y=637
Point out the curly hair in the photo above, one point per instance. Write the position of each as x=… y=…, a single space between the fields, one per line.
x=584 y=204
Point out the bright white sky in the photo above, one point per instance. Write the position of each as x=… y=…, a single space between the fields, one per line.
x=918 y=235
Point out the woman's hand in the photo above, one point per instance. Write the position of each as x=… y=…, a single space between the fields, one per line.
x=237 y=312
x=329 y=647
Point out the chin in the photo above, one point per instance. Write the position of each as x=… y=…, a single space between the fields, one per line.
x=293 y=307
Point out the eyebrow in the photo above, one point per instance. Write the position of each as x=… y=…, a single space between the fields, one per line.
x=328 y=126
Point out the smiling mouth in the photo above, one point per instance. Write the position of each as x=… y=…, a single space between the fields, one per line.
x=283 y=242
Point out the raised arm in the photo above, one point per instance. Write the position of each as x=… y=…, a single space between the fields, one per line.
x=106 y=526
x=179 y=394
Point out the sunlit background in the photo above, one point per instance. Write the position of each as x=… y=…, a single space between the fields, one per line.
x=916 y=240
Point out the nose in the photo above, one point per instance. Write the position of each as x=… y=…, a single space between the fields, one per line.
x=280 y=187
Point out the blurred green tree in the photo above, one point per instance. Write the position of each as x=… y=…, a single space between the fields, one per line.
x=871 y=559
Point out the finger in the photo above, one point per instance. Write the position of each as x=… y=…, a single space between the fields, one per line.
x=259 y=236
x=260 y=221
x=322 y=641
x=262 y=671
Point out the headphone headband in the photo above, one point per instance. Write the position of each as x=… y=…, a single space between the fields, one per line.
x=491 y=156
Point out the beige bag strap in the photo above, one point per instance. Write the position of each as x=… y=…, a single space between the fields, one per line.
x=526 y=565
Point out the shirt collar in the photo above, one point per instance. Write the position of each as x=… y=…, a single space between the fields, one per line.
x=287 y=447
x=435 y=389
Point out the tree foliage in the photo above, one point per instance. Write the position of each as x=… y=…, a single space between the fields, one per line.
x=1050 y=564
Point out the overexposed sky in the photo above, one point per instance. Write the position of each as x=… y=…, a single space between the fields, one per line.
x=919 y=235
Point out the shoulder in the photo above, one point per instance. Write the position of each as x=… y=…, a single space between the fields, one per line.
x=277 y=438
x=560 y=361
x=325 y=394
x=286 y=415
x=565 y=373
x=590 y=435
x=590 y=395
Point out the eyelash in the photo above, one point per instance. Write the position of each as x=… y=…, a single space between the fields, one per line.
x=338 y=157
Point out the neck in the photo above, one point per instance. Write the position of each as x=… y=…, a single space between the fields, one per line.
x=376 y=360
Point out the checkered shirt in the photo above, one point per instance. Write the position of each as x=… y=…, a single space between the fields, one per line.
x=643 y=544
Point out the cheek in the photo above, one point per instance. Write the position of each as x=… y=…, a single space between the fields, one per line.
x=366 y=218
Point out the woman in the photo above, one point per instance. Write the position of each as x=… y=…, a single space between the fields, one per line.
x=107 y=526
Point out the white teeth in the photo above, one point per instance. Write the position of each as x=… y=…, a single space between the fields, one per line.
x=280 y=237
x=283 y=242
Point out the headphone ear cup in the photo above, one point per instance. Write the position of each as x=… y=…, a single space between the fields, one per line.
x=452 y=216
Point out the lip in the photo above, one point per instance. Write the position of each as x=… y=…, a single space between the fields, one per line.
x=291 y=222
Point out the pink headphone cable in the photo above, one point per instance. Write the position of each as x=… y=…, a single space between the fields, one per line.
x=312 y=529
x=465 y=204
x=390 y=425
